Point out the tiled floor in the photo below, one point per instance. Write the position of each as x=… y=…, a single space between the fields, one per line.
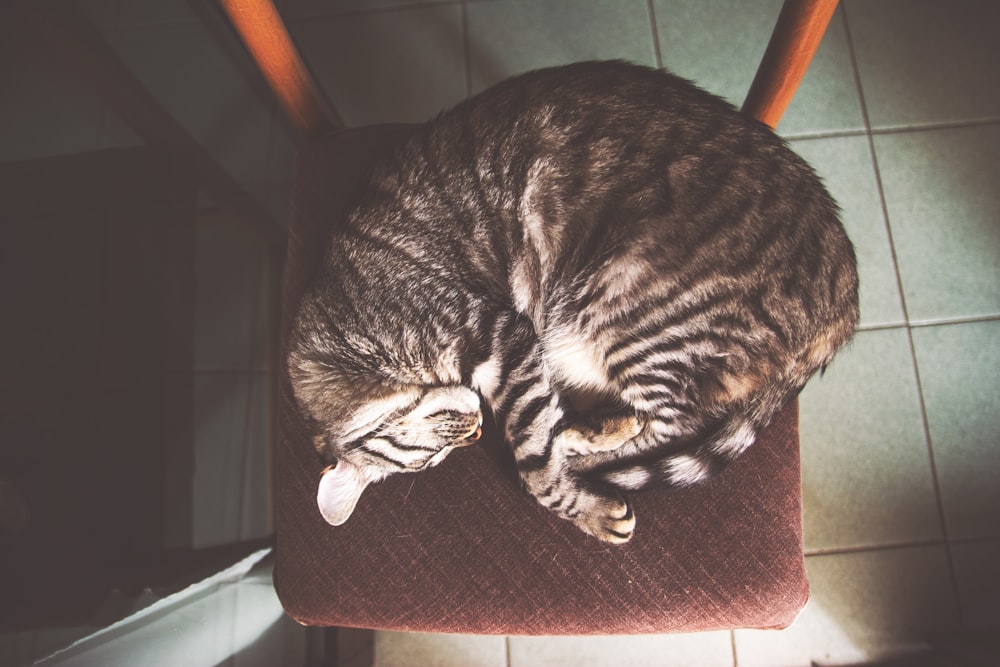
x=900 y=114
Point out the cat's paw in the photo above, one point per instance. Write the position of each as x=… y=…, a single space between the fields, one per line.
x=612 y=434
x=605 y=515
x=608 y=517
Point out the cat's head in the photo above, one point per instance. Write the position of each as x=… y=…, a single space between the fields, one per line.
x=404 y=430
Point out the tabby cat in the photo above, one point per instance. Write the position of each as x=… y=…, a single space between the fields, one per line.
x=633 y=276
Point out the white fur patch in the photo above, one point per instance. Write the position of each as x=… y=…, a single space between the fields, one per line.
x=339 y=488
x=740 y=441
x=685 y=470
x=521 y=288
x=631 y=478
x=577 y=362
x=539 y=233
x=486 y=377
x=622 y=277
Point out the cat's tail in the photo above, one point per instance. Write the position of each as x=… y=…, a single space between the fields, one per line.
x=682 y=464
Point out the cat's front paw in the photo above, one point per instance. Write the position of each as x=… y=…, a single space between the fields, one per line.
x=612 y=434
x=608 y=517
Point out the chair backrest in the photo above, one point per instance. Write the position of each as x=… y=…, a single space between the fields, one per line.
x=798 y=32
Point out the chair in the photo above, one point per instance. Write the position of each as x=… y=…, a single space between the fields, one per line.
x=460 y=548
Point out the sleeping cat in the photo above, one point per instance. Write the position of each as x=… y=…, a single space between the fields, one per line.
x=630 y=274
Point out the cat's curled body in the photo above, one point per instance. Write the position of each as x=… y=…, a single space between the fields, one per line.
x=599 y=229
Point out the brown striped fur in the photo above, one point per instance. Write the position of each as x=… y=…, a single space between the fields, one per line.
x=599 y=230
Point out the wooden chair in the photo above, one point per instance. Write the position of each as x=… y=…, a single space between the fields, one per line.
x=460 y=548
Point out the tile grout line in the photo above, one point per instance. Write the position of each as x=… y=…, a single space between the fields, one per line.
x=830 y=134
x=226 y=371
x=867 y=548
x=466 y=46
x=933 y=126
x=153 y=25
x=323 y=15
x=882 y=131
x=654 y=33
x=945 y=321
x=926 y=324
x=845 y=551
x=942 y=523
x=248 y=405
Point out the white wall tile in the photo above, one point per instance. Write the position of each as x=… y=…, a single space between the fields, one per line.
x=416 y=649
x=705 y=649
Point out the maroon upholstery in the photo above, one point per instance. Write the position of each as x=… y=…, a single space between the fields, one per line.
x=461 y=548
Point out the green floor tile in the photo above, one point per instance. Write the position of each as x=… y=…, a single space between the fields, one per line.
x=508 y=37
x=845 y=165
x=944 y=210
x=959 y=370
x=926 y=61
x=865 y=466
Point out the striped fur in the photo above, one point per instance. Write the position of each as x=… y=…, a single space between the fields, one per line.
x=632 y=276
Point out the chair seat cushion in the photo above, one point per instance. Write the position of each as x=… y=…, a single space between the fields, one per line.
x=461 y=548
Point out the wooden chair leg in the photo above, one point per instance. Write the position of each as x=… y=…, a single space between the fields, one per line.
x=260 y=27
x=796 y=36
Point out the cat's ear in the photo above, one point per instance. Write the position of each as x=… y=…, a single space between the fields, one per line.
x=339 y=490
